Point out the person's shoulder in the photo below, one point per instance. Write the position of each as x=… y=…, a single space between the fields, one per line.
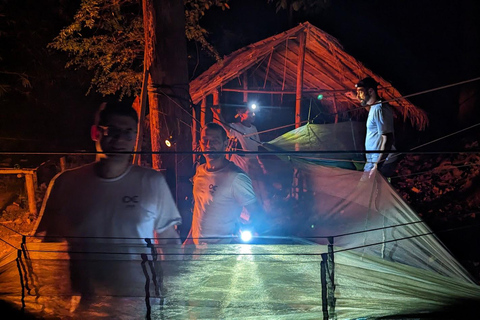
x=235 y=125
x=144 y=171
x=377 y=108
x=74 y=173
x=239 y=176
x=146 y=177
x=232 y=167
x=201 y=167
x=382 y=104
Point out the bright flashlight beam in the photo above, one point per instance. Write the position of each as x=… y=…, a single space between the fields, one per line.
x=253 y=106
x=168 y=143
x=246 y=236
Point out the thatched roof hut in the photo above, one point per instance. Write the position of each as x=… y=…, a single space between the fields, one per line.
x=325 y=69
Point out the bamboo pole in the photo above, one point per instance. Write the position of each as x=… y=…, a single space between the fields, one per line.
x=140 y=106
x=300 y=66
x=335 y=110
x=216 y=103
x=245 y=87
x=194 y=132
x=63 y=164
x=203 y=112
x=30 y=187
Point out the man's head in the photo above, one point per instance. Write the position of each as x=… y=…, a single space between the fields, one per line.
x=367 y=91
x=115 y=129
x=245 y=115
x=213 y=138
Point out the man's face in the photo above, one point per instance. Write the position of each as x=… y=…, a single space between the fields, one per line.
x=118 y=134
x=212 y=140
x=248 y=115
x=363 y=95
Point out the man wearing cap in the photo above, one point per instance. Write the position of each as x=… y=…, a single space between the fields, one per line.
x=380 y=132
x=246 y=135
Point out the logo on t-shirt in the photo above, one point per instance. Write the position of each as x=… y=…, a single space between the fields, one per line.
x=130 y=201
x=212 y=189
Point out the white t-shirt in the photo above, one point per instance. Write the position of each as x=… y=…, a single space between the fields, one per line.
x=219 y=199
x=379 y=122
x=134 y=205
x=246 y=143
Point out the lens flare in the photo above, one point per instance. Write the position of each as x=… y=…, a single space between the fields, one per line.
x=246 y=236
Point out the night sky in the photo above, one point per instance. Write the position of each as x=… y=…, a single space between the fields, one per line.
x=416 y=45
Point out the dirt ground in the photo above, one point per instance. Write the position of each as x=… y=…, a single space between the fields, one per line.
x=15 y=218
x=13 y=222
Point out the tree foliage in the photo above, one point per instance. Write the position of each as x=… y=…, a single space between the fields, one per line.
x=106 y=36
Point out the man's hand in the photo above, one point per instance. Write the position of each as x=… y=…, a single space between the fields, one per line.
x=372 y=172
x=368 y=174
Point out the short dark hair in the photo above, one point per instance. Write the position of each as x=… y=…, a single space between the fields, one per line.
x=241 y=110
x=119 y=108
x=367 y=83
x=216 y=126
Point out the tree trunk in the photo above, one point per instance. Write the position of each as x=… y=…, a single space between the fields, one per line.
x=168 y=96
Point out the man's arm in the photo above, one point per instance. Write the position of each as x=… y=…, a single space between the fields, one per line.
x=257 y=217
x=168 y=216
x=244 y=193
x=386 y=143
x=384 y=120
x=168 y=236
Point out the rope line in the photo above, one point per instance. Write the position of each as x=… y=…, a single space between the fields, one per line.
x=11 y=245
x=242 y=152
x=15 y=231
x=273 y=254
x=441 y=170
x=263 y=237
x=402 y=97
x=448 y=135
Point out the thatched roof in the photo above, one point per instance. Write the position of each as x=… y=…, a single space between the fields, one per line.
x=327 y=69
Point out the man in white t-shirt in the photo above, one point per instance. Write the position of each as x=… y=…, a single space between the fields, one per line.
x=245 y=131
x=220 y=190
x=111 y=198
x=110 y=211
x=380 y=131
x=246 y=135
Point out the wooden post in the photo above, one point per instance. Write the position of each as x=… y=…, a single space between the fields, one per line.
x=30 y=184
x=216 y=103
x=300 y=66
x=30 y=187
x=335 y=110
x=245 y=87
x=63 y=164
x=331 y=280
x=168 y=95
x=194 y=132
x=203 y=112
x=140 y=105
